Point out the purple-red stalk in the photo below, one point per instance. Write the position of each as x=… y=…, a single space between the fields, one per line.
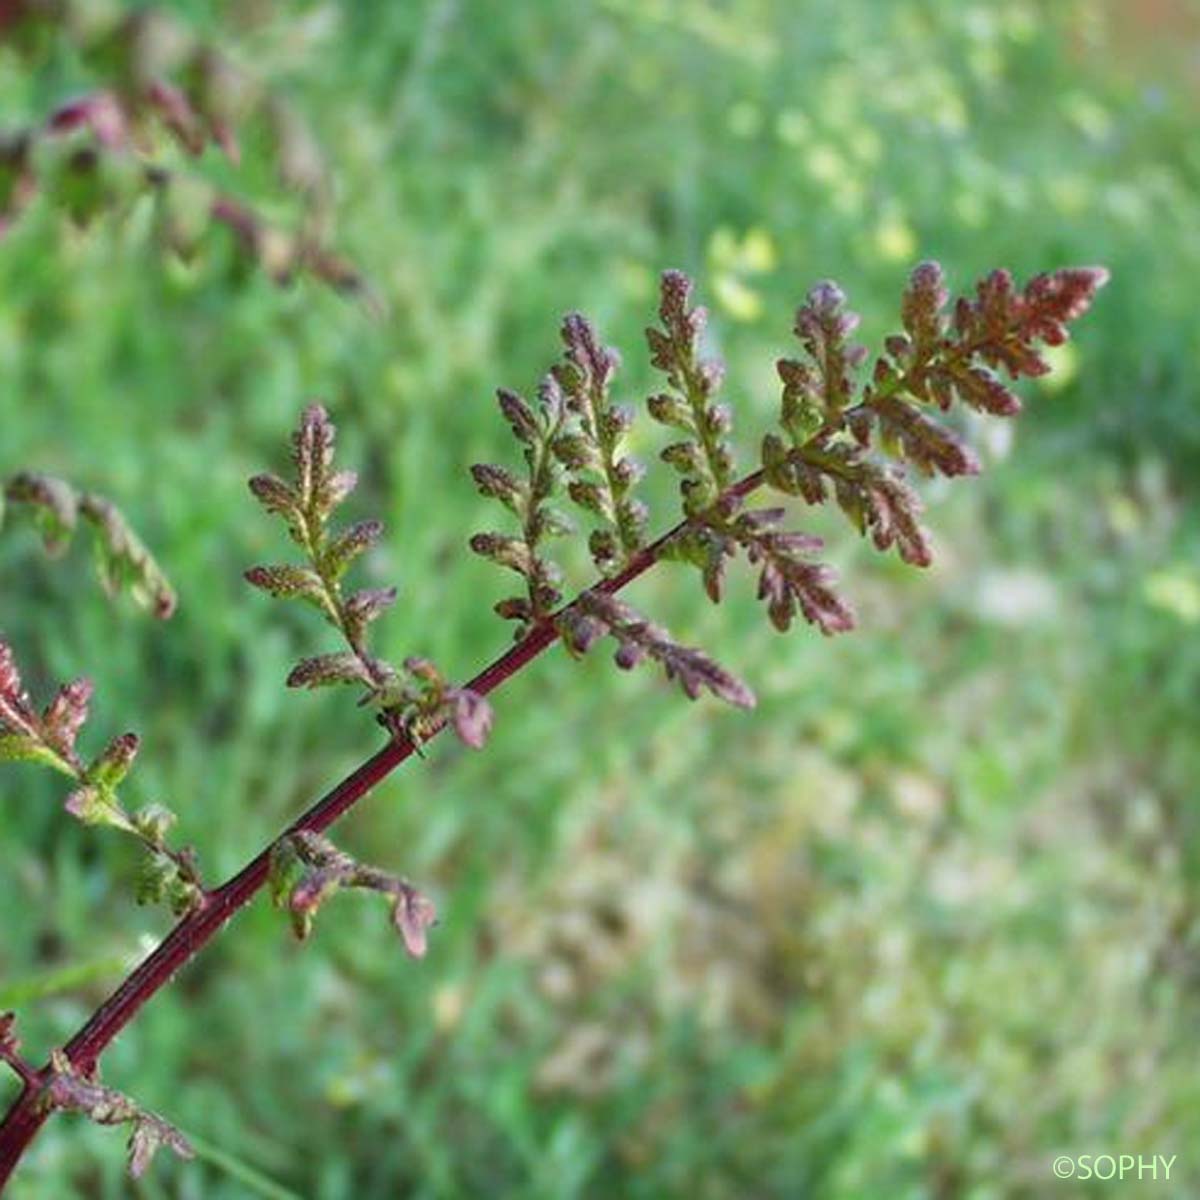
x=27 y=1115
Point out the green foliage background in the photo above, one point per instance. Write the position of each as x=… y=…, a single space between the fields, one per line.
x=926 y=919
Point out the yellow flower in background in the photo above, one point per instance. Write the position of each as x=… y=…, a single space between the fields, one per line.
x=733 y=259
x=826 y=165
x=1064 y=366
x=1088 y=115
x=723 y=247
x=1124 y=516
x=1175 y=591
x=758 y=251
x=895 y=240
x=739 y=300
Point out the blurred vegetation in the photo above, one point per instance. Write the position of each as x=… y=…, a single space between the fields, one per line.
x=927 y=918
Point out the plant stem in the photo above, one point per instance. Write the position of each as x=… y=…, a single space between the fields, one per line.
x=27 y=1115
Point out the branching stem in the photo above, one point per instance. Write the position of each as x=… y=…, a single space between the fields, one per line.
x=27 y=1114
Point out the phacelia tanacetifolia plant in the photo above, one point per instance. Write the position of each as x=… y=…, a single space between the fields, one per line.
x=846 y=433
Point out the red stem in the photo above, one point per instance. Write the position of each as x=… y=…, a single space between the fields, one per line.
x=26 y=1116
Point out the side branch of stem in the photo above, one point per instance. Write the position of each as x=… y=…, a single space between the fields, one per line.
x=26 y=1116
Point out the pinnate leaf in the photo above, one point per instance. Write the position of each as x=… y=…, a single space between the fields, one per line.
x=499 y=484
x=346 y=546
x=160 y=881
x=312 y=454
x=287 y=580
x=818 y=391
x=95 y=805
x=275 y=495
x=505 y=551
x=325 y=670
x=597 y=614
x=525 y=425
x=307 y=869
x=412 y=914
x=68 y=1090
x=20 y=747
x=789 y=581
x=55 y=503
x=109 y=768
x=122 y=559
x=363 y=607
x=705 y=458
x=16 y=713
x=875 y=496
x=928 y=444
x=65 y=715
x=602 y=479
x=545 y=440
x=151 y=1134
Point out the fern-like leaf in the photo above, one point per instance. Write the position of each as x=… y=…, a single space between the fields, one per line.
x=123 y=561
x=541 y=433
x=597 y=614
x=602 y=479
x=408 y=699
x=705 y=456
x=941 y=356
